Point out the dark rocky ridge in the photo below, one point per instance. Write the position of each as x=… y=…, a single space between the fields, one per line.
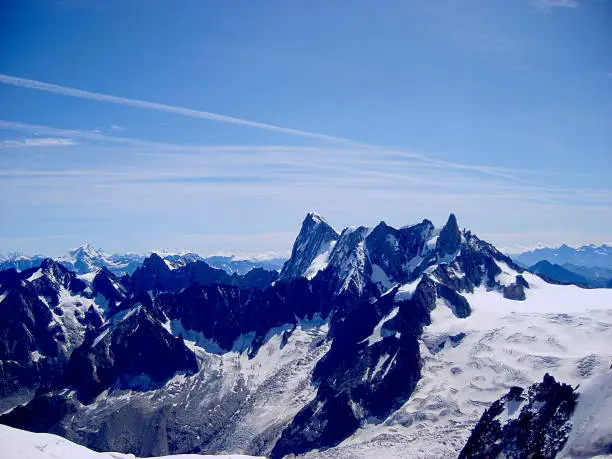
x=34 y=344
x=537 y=423
x=155 y=275
x=596 y=277
x=450 y=238
x=35 y=348
x=107 y=285
x=589 y=256
x=137 y=353
x=582 y=276
x=556 y=273
x=393 y=249
x=347 y=376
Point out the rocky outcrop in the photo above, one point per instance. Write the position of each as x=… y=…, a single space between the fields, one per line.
x=449 y=239
x=107 y=285
x=156 y=276
x=397 y=252
x=137 y=353
x=455 y=301
x=525 y=424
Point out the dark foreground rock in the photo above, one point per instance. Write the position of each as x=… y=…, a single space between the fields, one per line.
x=524 y=424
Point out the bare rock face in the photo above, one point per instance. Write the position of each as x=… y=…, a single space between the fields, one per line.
x=449 y=239
x=366 y=374
x=138 y=353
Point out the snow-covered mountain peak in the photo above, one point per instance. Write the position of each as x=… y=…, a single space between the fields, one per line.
x=87 y=250
x=50 y=266
x=12 y=256
x=315 y=239
x=86 y=258
x=372 y=260
x=315 y=217
x=50 y=272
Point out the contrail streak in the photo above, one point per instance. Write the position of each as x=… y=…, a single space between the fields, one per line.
x=82 y=94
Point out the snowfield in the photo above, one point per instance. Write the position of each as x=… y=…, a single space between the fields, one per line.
x=562 y=330
x=19 y=444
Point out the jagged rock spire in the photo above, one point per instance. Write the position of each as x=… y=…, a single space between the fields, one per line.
x=450 y=237
x=315 y=237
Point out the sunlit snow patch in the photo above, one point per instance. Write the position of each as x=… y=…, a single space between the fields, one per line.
x=28 y=445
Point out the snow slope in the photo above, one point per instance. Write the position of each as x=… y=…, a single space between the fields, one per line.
x=232 y=405
x=591 y=433
x=19 y=444
x=563 y=330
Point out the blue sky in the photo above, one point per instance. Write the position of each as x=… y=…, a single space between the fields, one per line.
x=215 y=126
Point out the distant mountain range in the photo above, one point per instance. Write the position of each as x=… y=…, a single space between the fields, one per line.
x=572 y=274
x=596 y=276
x=87 y=259
x=587 y=266
x=588 y=255
x=557 y=273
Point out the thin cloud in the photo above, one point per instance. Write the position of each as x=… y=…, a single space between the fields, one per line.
x=49 y=142
x=557 y=3
x=282 y=162
x=97 y=135
x=79 y=93
x=39 y=142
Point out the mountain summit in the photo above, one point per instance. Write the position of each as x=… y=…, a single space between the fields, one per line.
x=311 y=248
x=590 y=256
x=371 y=261
x=449 y=238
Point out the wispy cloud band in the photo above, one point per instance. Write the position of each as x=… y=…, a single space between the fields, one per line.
x=83 y=94
x=39 y=142
x=557 y=3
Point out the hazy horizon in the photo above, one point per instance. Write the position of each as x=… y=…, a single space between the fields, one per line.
x=263 y=254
